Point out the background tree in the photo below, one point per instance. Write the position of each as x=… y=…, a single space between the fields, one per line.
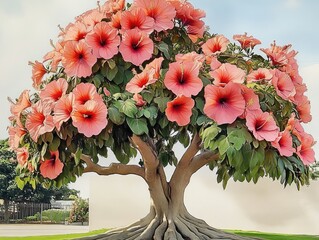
x=9 y=190
x=140 y=79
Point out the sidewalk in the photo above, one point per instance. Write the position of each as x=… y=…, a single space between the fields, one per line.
x=15 y=230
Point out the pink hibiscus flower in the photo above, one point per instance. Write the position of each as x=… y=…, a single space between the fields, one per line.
x=295 y=126
x=227 y=73
x=251 y=99
x=279 y=55
x=78 y=59
x=283 y=144
x=22 y=104
x=75 y=32
x=161 y=11
x=90 y=118
x=15 y=134
x=303 y=109
x=84 y=92
x=155 y=66
x=262 y=125
x=140 y=81
x=190 y=18
x=192 y=57
x=305 y=151
x=137 y=18
x=54 y=90
x=179 y=110
x=182 y=78
x=51 y=168
x=55 y=56
x=39 y=121
x=136 y=47
x=63 y=110
x=38 y=71
x=139 y=101
x=246 y=41
x=259 y=74
x=116 y=20
x=215 y=45
x=22 y=155
x=224 y=104
x=283 y=84
x=104 y=40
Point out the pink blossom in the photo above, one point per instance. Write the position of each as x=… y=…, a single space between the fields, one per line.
x=136 y=47
x=283 y=143
x=227 y=73
x=262 y=125
x=179 y=110
x=224 y=104
x=215 y=45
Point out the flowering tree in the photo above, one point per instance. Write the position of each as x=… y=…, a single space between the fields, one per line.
x=145 y=76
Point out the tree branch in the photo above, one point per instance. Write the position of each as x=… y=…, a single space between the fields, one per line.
x=152 y=165
x=114 y=168
x=191 y=151
x=183 y=164
x=149 y=157
x=202 y=159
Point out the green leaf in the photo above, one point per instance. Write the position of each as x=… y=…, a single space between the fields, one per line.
x=163 y=122
x=223 y=146
x=162 y=102
x=111 y=73
x=129 y=108
x=164 y=48
x=153 y=112
x=236 y=139
x=54 y=145
x=184 y=138
x=44 y=149
x=200 y=104
x=257 y=157
x=20 y=182
x=138 y=126
x=211 y=132
x=111 y=63
x=201 y=120
x=116 y=116
x=98 y=79
x=77 y=156
x=148 y=96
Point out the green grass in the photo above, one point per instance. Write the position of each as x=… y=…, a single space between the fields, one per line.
x=274 y=236
x=57 y=237
x=260 y=235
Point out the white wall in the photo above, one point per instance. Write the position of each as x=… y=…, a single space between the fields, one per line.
x=120 y=200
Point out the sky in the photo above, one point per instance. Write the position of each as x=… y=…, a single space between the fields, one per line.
x=27 y=26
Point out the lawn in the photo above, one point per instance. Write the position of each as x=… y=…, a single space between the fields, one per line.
x=260 y=235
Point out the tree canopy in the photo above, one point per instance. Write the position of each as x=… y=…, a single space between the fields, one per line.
x=112 y=82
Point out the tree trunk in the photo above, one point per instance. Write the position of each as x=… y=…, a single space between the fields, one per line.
x=6 y=211
x=168 y=219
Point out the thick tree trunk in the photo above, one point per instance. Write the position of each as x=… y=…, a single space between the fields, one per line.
x=168 y=219
x=6 y=211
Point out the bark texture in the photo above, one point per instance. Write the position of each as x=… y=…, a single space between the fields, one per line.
x=168 y=218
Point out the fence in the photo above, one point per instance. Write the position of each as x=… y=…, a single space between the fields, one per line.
x=19 y=211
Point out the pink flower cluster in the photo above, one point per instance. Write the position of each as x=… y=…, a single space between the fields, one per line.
x=104 y=32
x=84 y=106
x=112 y=31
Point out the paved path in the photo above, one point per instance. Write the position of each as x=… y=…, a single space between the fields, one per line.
x=15 y=230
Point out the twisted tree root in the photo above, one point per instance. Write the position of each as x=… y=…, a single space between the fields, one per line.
x=182 y=227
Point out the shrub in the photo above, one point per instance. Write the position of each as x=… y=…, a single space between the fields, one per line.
x=79 y=211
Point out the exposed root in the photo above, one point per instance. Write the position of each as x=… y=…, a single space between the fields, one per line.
x=183 y=227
